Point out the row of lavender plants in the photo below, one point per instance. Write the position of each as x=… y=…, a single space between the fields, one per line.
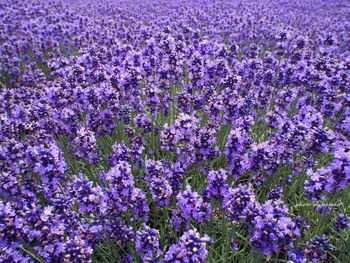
x=175 y=131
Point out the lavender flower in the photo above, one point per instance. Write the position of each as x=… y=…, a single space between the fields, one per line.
x=240 y=204
x=297 y=255
x=85 y=145
x=342 y=222
x=147 y=244
x=159 y=186
x=317 y=250
x=190 y=248
x=190 y=205
x=329 y=180
x=236 y=151
x=217 y=186
x=273 y=230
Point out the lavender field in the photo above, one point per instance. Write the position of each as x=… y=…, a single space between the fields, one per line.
x=175 y=131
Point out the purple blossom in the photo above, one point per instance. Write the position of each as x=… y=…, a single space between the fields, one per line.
x=297 y=255
x=237 y=145
x=217 y=186
x=147 y=244
x=329 y=180
x=157 y=182
x=316 y=251
x=190 y=205
x=190 y=248
x=273 y=230
x=85 y=145
x=342 y=222
x=240 y=204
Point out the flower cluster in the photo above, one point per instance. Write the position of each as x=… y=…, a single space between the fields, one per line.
x=157 y=182
x=240 y=204
x=318 y=249
x=328 y=180
x=190 y=248
x=236 y=151
x=85 y=145
x=273 y=230
x=190 y=205
x=147 y=244
x=342 y=222
x=217 y=186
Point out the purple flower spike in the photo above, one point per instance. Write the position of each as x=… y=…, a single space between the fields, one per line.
x=190 y=248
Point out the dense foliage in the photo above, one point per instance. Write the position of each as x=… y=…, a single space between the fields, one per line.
x=175 y=131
